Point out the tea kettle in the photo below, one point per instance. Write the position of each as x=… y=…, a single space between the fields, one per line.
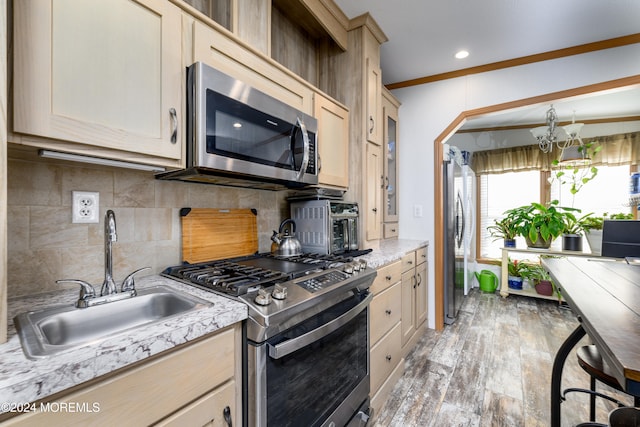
x=284 y=242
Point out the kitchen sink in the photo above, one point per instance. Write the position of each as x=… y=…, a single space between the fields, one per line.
x=53 y=330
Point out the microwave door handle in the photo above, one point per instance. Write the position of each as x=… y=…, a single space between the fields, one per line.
x=287 y=347
x=305 y=143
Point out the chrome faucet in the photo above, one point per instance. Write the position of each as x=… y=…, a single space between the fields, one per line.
x=110 y=236
x=109 y=291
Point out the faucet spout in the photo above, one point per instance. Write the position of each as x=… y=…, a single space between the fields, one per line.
x=110 y=236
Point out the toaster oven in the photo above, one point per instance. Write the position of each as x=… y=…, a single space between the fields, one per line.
x=326 y=226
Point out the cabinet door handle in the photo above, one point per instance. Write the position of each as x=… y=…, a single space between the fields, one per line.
x=413 y=279
x=388 y=312
x=375 y=210
x=388 y=277
x=227 y=416
x=372 y=124
x=386 y=178
x=419 y=279
x=174 y=121
x=388 y=358
x=382 y=181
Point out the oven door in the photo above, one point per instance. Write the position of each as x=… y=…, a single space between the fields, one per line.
x=315 y=373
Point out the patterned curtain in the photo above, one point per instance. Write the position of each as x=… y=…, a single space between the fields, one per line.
x=621 y=149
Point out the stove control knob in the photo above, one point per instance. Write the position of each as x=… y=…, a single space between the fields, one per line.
x=279 y=292
x=363 y=264
x=356 y=265
x=348 y=268
x=263 y=297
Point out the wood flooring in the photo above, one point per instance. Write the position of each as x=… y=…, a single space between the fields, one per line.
x=492 y=367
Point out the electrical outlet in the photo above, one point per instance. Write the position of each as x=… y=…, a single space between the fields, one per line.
x=85 y=207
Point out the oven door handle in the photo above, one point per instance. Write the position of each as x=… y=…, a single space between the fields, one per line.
x=284 y=348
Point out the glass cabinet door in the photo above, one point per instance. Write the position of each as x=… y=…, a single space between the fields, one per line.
x=390 y=161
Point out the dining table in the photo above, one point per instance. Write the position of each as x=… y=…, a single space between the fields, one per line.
x=604 y=293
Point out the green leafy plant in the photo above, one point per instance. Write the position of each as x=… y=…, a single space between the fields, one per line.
x=536 y=220
x=514 y=267
x=597 y=222
x=504 y=228
x=577 y=175
x=575 y=225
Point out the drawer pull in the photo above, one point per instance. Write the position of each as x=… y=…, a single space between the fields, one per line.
x=388 y=312
x=227 y=416
x=388 y=277
x=410 y=262
x=388 y=358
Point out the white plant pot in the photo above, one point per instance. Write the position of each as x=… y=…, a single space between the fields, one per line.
x=594 y=237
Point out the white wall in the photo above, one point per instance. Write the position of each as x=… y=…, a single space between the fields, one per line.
x=428 y=109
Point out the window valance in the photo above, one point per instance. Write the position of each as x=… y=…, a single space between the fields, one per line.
x=617 y=149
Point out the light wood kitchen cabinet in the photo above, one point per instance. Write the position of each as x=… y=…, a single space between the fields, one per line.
x=222 y=51
x=390 y=107
x=101 y=78
x=333 y=142
x=373 y=202
x=374 y=101
x=414 y=297
x=387 y=363
x=189 y=386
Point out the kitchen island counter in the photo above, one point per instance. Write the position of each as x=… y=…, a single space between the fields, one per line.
x=23 y=380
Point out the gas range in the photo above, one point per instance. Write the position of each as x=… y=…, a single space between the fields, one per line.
x=280 y=291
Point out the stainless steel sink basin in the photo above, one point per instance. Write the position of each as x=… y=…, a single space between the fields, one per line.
x=46 y=332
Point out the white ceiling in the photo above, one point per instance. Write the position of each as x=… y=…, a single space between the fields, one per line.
x=424 y=35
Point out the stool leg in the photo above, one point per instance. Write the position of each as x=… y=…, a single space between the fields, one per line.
x=592 y=398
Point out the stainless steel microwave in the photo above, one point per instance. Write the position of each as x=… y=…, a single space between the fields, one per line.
x=326 y=226
x=237 y=135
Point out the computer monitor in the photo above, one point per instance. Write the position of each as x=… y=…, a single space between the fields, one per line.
x=621 y=238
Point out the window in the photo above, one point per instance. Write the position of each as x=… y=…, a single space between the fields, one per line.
x=498 y=193
x=606 y=193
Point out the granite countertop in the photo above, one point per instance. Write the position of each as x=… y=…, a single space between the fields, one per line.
x=23 y=380
x=392 y=250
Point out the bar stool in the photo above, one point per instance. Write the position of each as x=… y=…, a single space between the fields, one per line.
x=590 y=360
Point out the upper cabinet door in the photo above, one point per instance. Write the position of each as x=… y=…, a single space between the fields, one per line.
x=390 y=114
x=105 y=73
x=374 y=102
x=333 y=142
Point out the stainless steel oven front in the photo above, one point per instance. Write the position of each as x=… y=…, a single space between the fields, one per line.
x=315 y=373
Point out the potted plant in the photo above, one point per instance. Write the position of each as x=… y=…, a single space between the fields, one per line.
x=573 y=229
x=593 y=228
x=540 y=278
x=505 y=229
x=515 y=276
x=539 y=224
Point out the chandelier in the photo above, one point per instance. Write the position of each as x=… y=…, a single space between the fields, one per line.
x=547 y=135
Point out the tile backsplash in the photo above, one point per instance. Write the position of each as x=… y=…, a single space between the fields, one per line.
x=44 y=245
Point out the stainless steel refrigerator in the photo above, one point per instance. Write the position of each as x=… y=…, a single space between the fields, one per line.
x=459 y=229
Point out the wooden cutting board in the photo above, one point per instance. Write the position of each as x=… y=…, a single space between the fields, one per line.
x=211 y=234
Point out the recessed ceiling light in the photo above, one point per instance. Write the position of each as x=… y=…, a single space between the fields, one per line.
x=462 y=54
